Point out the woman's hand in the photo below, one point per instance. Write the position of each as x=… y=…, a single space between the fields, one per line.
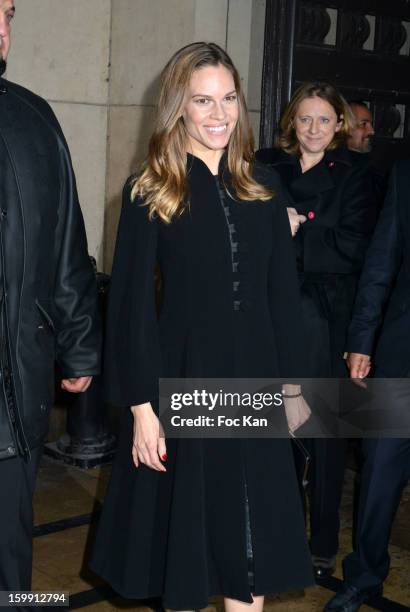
x=148 y=445
x=296 y=408
x=295 y=220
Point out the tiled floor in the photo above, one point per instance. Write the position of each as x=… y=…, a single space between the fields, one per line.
x=60 y=557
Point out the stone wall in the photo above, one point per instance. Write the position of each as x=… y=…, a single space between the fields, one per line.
x=97 y=63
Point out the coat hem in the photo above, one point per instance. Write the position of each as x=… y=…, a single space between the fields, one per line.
x=168 y=604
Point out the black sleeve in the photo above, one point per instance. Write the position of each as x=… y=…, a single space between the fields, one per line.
x=341 y=249
x=75 y=298
x=132 y=356
x=284 y=297
x=379 y=273
x=78 y=333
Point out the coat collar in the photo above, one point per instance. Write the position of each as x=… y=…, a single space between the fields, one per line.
x=11 y=107
x=277 y=156
x=316 y=180
x=196 y=164
x=320 y=177
x=340 y=155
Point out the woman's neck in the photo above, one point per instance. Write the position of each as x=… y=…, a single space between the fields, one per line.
x=307 y=160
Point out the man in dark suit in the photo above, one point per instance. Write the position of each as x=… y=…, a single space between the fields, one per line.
x=385 y=281
x=360 y=142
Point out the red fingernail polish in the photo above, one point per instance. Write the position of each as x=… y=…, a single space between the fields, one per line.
x=164 y=457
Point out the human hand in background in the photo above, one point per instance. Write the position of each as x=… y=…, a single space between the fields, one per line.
x=296 y=407
x=148 y=445
x=76 y=385
x=295 y=220
x=358 y=364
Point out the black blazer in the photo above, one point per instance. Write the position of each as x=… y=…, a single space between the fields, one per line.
x=337 y=196
x=385 y=284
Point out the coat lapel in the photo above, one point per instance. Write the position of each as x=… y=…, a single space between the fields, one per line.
x=314 y=181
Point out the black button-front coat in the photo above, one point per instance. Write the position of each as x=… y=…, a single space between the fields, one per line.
x=182 y=534
x=337 y=195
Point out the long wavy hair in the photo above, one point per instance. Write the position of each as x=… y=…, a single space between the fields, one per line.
x=163 y=181
x=288 y=140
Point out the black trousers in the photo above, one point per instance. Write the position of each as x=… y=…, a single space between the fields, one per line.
x=326 y=476
x=17 y=481
x=385 y=472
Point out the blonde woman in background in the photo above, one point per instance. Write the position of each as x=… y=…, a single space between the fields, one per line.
x=332 y=216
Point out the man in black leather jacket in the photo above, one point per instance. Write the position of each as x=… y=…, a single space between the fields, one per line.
x=48 y=300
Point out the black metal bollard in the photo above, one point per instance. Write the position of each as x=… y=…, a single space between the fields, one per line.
x=87 y=442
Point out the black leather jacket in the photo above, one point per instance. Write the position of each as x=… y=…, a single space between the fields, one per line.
x=48 y=292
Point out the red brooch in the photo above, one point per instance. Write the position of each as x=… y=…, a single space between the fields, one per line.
x=311 y=214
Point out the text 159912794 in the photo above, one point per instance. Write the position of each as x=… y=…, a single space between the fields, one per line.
x=34 y=599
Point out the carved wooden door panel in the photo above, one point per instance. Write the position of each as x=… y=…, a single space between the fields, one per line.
x=361 y=46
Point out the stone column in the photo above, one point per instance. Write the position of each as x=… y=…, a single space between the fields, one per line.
x=60 y=50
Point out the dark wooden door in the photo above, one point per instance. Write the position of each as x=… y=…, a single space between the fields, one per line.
x=361 y=46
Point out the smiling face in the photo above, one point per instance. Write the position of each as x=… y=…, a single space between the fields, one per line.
x=211 y=111
x=7 y=11
x=360 y=137
x=315 y=124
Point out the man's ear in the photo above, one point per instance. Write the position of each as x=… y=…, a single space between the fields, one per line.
x=339 y=123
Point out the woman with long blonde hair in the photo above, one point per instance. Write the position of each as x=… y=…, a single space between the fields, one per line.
x=186 y=519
